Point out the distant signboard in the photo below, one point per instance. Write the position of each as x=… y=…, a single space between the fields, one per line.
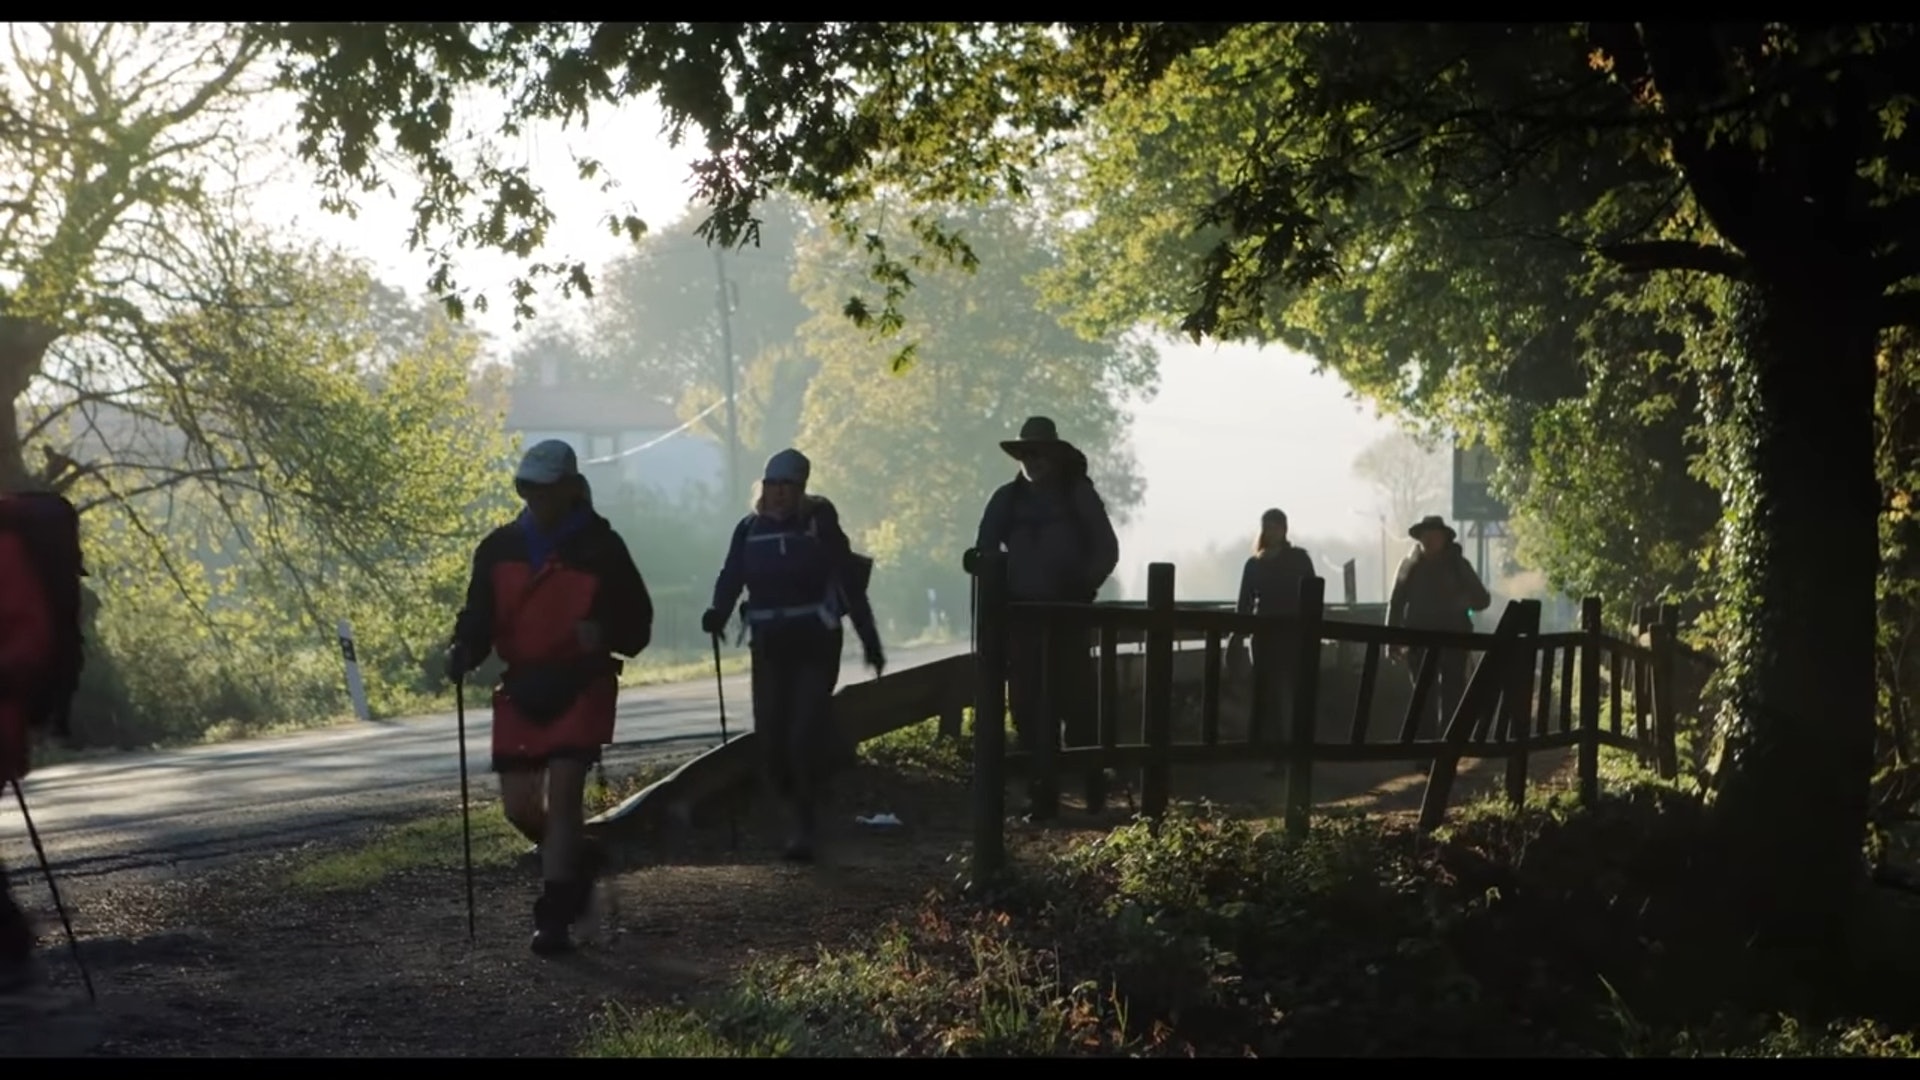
x=1473 y=498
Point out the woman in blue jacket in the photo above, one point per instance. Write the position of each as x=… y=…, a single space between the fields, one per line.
x=801 y=578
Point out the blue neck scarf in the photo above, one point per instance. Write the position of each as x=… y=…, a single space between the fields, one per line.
x=541 y=545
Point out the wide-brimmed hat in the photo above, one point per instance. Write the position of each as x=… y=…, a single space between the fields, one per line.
x=1038 y=433
x=1431 y=521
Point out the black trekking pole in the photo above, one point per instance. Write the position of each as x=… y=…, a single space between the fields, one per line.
x=466 y=806
x=720 y=692
x=973 y=613
x=46 y=868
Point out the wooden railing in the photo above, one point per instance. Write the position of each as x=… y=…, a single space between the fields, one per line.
x=1530 y=692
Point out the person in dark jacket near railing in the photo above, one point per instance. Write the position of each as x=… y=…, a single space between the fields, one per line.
x=797 y=567
x=1437 y=589
x=1270 y=586
x=1060 y=546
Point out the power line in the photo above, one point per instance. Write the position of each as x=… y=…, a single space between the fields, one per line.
x=658 y=439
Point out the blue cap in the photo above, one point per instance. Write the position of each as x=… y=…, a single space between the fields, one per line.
x=788 y=466
x=548 y=462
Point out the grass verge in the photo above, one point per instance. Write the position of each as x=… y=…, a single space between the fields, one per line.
x=1544 y=931
x=434 y=841
x=922 y=749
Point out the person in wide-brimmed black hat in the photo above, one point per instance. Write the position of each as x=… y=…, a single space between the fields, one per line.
x=1437 y=589
x=1060 y=546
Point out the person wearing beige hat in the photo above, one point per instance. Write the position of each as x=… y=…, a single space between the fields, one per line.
x=1437 y=589
x=1060 y=546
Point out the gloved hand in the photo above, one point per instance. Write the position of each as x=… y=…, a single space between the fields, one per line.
x=458 y=663
x=713 y=621
x=876 y=658
x=970 y=561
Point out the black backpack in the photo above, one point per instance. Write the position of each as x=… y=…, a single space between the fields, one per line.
x=1082 y=531
x=49 y=528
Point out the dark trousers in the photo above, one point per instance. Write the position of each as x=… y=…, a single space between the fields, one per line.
x=1063 y=674
x=794 y=673
x=1449 y=685
x=1275 y=657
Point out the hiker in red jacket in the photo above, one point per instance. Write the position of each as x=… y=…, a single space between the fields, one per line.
x=29 y=646
x=555 y=593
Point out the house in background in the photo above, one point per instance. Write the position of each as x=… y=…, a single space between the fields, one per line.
x=601 y=423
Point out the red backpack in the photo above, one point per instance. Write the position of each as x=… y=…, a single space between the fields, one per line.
x=49 y=528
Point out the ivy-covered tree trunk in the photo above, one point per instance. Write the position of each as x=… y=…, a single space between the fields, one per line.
x=1800 y=557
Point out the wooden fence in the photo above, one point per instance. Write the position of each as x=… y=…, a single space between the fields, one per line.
x=1529 y=692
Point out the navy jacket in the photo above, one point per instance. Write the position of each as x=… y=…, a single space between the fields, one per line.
x=795 y=575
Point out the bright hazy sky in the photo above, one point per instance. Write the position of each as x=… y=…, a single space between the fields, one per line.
x=1232 y=431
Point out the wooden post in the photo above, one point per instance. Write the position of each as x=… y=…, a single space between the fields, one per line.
x=1593 y=639
x=1306 y=704
x=1482 y=693
x=1665 y=715
x=1156 y=776
x=1516 y=702
x=990 y=721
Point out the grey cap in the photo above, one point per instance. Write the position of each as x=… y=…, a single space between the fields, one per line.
x=547 y=462
x=788 y=466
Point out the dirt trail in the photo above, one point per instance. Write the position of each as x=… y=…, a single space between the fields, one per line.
x=235 y=963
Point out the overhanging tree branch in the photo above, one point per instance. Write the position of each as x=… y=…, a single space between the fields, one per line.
x=1648 y=256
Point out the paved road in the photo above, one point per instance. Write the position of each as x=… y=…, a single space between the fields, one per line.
x=177 y=809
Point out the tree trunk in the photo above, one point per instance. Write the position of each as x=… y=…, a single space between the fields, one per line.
x=23 y=347
x=1800 y=554
x=13 y=462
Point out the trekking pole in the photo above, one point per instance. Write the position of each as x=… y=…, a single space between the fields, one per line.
x=973 y=612
x=466 y=807
x=720 y=692
x=46 y=868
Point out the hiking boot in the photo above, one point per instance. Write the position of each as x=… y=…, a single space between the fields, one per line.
x=530 y=860
x=800 y=842
x=594 y=903
x=18 y=974
x=17 y=969
x=551 y=916
x=1097 y=791
x=1042 y=804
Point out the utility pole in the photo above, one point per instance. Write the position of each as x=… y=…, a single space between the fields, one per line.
x=1386 y=569
x=1386 y=590
x=726 y=368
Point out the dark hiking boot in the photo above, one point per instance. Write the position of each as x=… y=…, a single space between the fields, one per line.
x=18 y=974
x=17 y=969
x=1097 y=791
x=594 y=905
x=552 y=913
x=801 y=841
x=1042 y=804
x=531 y=860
